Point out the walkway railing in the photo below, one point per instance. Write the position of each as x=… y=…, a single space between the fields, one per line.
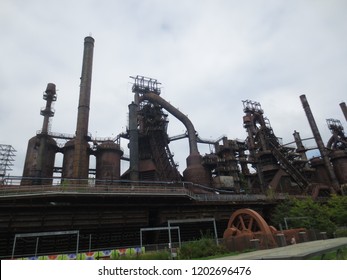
x=123 y=187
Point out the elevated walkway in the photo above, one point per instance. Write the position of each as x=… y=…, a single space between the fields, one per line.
x=149 y=189
x=299 y=251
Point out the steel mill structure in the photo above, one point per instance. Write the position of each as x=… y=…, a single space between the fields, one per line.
x=109 y=211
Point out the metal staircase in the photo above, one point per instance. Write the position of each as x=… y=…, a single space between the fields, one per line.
x=162 y=157
x=288 y=167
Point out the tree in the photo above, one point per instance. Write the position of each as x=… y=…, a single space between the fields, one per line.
x=282 y=211
x=305 y=213
x=338 y=210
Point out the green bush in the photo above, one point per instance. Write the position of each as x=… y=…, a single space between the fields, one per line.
x=309 y=214
x=204 y=247
x=341 y=232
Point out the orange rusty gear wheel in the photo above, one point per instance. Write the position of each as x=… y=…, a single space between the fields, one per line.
x=248 y=223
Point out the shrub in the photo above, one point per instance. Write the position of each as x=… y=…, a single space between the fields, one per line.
x=204 y=247
x=341 y=232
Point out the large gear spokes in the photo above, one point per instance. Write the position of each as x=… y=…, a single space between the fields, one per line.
x=248 y=223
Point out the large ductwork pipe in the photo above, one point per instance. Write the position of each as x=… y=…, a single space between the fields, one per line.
x=194 y=172
x=320 y=143
x=155 y=98
x=344 y=109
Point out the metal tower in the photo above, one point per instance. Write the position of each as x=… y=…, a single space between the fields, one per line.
x=148 y=136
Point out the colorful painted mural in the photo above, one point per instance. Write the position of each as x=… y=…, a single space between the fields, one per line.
x=97 y=255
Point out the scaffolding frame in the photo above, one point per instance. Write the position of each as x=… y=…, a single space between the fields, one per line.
x=144 y=85
x=7 y=154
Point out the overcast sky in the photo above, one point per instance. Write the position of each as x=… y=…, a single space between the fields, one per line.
x=208 y=55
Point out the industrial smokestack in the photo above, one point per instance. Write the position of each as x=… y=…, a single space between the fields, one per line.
x=344 y=109
x=50 y=95
x=85 y=88
x=81 y=155
x=133 y=142
x=299 y=146
x=319 y=142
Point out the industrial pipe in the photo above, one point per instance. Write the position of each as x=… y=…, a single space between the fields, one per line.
x=195 y=171
x=192 y=137
x=344 y=109
x=319 y=142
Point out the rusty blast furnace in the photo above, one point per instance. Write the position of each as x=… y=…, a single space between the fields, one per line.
x=259 y=164
x=109 y=206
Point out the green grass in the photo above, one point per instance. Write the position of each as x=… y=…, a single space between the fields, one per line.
x=334 y=255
